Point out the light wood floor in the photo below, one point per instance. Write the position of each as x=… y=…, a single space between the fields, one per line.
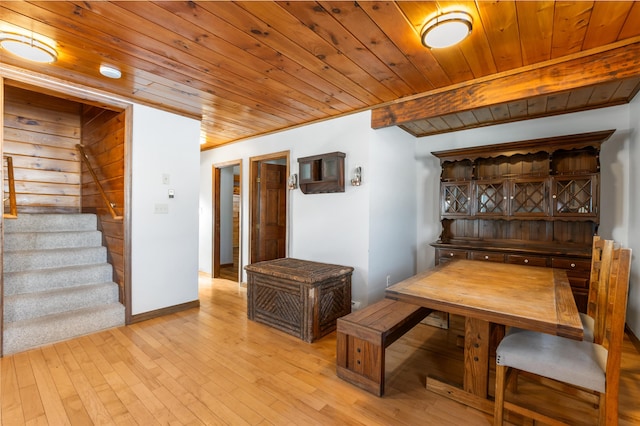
x=230 y=271
x=213 y=366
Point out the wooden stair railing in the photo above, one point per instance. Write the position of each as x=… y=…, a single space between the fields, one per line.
x=13 y=207
x=110 y=205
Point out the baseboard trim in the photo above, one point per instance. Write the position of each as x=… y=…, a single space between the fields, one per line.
x=164 y=311
x=632 y=337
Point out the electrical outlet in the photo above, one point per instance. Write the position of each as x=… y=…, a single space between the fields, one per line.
x=388 y=280
x=355 y=305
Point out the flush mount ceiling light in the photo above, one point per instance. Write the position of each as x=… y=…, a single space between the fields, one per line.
x=110 y=71
x=446 y=30
x=28 y=47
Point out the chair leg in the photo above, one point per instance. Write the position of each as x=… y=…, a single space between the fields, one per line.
x=512 y=381
x=608 y=409
x=498 y=408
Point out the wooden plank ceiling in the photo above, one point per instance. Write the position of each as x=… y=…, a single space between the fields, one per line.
x=252 y=68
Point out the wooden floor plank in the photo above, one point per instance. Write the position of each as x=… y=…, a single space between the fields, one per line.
x=29 y=395
x=49 y=395
x=212 y=366
x=10 y=394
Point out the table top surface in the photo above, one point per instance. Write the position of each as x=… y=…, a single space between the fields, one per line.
x=534 y=298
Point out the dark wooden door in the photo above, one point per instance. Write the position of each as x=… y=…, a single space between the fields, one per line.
x=271 y=213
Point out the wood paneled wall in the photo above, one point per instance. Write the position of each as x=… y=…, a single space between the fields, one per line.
x=103 y=137
x=41 y=133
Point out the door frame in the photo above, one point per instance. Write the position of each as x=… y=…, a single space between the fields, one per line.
x=253 y=197
x=215 y=208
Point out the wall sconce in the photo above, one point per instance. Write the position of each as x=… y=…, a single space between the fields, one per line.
x=28 y=47
x=292 y=182
x=446 y=30
x=357 y=177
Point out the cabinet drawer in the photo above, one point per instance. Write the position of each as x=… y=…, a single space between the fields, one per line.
x=571 y=264
x=487 y=256
x=527 y=260
x=578 y=281
x=451 y=254
x=578 y=270
x=582 y=299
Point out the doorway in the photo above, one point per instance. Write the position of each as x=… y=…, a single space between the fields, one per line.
x=226 y=228
x=268 y=206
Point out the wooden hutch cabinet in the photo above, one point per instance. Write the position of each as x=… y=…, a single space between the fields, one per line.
x=532 y=202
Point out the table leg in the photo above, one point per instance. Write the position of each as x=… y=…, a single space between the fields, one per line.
x=476 y=356
x=474 y=390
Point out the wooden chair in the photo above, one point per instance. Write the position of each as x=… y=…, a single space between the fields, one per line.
x=601 y=253
x=577 y=367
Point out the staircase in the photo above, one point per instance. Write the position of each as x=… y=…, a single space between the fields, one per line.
x=57 y=282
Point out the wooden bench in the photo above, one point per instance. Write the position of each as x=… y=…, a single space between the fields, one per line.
x=362 y=337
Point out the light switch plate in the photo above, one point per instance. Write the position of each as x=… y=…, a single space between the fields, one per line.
x=161 y=209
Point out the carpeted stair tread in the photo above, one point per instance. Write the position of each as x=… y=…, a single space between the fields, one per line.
x=52 y=222
x=30 y=305
x=42 y=259
x=47 y=279
x=31 y=333
x=18 y=241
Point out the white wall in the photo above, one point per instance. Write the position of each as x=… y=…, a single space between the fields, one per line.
x=205 y=219
x=164 y=246
x=333 y=228
x=617 y=182
x=392 y=223
x=226 y=215
x=632 y=194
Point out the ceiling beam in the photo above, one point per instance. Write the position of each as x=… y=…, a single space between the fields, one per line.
x=598 y=66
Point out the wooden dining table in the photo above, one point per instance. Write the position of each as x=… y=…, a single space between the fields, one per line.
x=487 y=293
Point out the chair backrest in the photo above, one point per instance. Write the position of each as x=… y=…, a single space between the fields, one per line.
x=616 y=313
x=601 y=254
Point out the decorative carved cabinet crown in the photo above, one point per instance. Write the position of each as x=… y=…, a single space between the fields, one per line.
x=534 y=202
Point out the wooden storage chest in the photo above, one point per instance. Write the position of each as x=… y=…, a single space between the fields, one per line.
x=299 y=297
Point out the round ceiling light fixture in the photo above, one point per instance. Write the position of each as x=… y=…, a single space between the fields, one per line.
x=446 y=30
x=110 y=71
x=28 y=47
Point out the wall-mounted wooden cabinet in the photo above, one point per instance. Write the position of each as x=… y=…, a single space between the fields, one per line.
x=322 y=173
x=532 y=202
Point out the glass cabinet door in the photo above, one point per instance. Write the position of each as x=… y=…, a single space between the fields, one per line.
x=575 y=196
x=456 y=199
x=305 y=172
x=330 y=169
x=491 y=198
x=529 y=198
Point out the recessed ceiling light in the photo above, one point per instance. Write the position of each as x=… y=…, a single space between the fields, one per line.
x=110 y=71
x=446 y=30
x=28 y=47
